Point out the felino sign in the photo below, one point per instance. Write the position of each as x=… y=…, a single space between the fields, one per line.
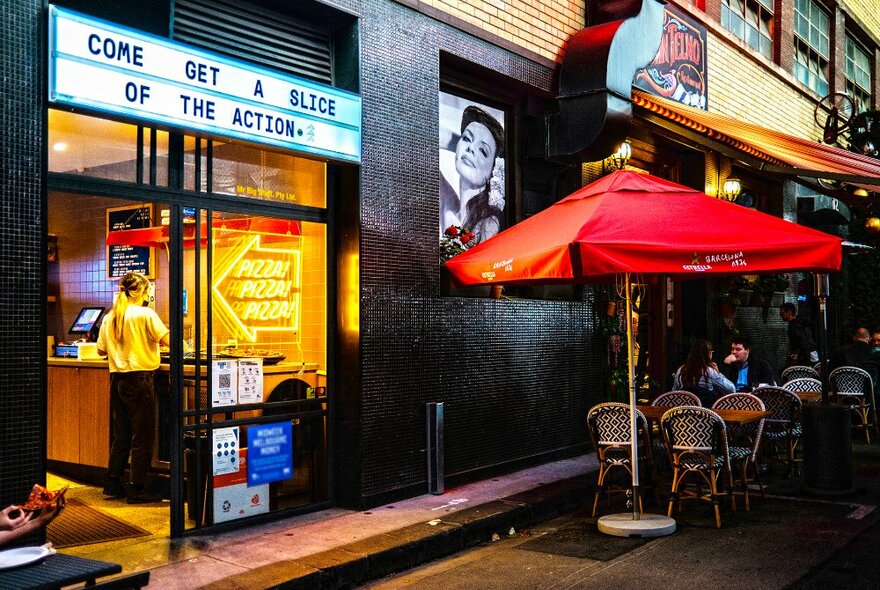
x=679 y=70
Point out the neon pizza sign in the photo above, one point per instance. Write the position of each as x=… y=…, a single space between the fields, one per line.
x=258 y=287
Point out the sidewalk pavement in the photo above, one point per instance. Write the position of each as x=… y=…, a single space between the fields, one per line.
x=788 y=540
x=342 y=549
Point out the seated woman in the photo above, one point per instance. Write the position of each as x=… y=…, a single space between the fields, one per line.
x=700 y=375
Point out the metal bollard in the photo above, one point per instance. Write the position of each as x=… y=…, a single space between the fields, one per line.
x=434 y=424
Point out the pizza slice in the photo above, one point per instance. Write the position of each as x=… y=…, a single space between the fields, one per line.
x=41 y=497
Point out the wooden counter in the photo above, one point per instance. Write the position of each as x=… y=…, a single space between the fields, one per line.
x=78 y=404
x=78 y=412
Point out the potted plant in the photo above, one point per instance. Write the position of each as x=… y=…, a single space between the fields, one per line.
x=730 y=295
x=618 y=384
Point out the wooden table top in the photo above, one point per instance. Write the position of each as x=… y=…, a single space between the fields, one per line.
x=654 y=413
x=809 y=396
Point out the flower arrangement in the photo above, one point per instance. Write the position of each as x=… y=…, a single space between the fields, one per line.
x=454 y=241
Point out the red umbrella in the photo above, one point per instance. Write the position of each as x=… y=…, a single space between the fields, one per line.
x=626 y=223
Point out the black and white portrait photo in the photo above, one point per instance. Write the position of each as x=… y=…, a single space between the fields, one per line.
x=472 y=186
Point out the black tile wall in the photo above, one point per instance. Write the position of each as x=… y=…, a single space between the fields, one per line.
x=22 y=408
x=516 y=377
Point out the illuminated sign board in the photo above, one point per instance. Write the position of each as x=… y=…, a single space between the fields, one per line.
x=114 y=69
x=679 y=70
x=257 y=288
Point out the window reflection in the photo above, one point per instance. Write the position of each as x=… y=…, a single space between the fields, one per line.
x=262 y=174
x=92 y=147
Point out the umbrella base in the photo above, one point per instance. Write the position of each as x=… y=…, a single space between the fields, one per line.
x=648 y=525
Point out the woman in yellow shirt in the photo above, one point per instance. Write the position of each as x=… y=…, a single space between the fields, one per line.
x=130 y=337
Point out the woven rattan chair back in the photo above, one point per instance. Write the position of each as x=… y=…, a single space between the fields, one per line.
x=742 y=433
x=695 y=428
x=850 y=381
x=803 y=385
x=798 y=371
x=854 y=387
x=609 y=423
x=675 y=398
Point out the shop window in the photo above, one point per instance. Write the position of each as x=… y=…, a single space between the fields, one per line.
x=256 y=173
x=812 y=26
x=100 y=148
x=858 y=74
x=751 y=21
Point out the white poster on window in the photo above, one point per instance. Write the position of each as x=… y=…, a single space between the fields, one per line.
x=224 y=386
x=250 y=381
x=225 y=451
x=234 y=499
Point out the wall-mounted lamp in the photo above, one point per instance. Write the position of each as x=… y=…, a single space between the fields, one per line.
x=618 y=160
x=730 y=190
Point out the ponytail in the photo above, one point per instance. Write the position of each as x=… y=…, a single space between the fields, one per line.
x=131 y=286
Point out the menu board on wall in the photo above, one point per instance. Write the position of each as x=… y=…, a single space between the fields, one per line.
x=122 y=259
x=679 y=70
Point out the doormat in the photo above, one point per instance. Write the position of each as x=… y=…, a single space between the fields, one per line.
x=584 y=540
x=80 y=525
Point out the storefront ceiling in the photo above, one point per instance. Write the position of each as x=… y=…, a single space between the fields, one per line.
x=763 y=148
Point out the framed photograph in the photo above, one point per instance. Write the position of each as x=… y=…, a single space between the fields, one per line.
x=473 y=190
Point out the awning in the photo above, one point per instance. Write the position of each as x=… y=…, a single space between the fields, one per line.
x=769 y=150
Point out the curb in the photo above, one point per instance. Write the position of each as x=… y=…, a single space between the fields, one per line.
x=378 y=556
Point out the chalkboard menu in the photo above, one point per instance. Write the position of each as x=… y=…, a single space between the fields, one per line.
x=123 y=258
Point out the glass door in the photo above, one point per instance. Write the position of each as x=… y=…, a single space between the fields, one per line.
x=252 y=403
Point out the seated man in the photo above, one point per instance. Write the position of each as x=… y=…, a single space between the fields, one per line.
x=875 y=346
x=855 y=354
x=746 y=370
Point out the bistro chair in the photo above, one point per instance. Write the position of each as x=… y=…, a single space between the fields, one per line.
x=853 y=386
x=609 y=427
x=784 y=423
x=744 y=440
x=805 y=385
x=675 y=398
x=798 y=371
x=697 y=441
x=670 y=399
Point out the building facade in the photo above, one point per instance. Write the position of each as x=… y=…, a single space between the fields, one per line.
x=515 y=375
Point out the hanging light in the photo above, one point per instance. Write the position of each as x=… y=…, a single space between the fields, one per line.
x=731 y=189
x=860 y=192
x=619 y=159
x=872 y=224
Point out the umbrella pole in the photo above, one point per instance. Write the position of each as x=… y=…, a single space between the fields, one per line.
x=633 y=427
x=635 y=524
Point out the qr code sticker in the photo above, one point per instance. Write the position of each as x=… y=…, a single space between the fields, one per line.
x=224 y=380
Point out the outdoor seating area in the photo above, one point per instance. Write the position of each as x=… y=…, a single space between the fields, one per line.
x=720 y=452
x=694 y=441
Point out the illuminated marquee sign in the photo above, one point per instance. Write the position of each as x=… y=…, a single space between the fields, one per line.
x=114 y=69
x=258 y=288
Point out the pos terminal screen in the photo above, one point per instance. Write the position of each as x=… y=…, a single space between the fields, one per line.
x=86 y=320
